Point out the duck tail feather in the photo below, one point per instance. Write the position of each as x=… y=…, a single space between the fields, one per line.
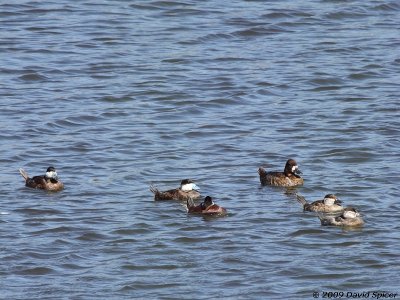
x=301 y=199
x=23 y=173
x=189 y=202
x=153 y=189
x=261 y=171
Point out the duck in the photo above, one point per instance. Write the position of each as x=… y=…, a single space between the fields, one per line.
x=330 y=204
x=350 y=217
x=290 y=176
x=207 y=207
x=49 y=181
x=187 y=190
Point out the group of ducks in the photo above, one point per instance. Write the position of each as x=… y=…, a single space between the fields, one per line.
x=329 y=210
x=188 y=191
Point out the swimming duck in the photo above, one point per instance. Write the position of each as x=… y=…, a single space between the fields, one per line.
x=188 y=189
x=330 y=204
x=350 y=217
x=49 y=181
x=289 y=177
x=207 y=207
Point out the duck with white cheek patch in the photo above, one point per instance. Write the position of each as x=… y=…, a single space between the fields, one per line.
x=49 y=181
x=350 y=217
x=187 y=190
x=288 y=178
x=330 y=204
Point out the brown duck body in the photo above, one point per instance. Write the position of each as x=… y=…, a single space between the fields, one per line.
x=187 y=190
x=320 y=206
x=279 y=178
x=207 y=208
x=343 y=220
x=289 y=177
x=330 y=204
x=340 y=221
x=211 y=210
x=41 y=182
x=175 y=194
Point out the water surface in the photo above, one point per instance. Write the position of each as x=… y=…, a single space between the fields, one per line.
x=121 y=94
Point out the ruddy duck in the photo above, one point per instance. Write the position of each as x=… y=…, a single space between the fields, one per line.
x=289 y=177
x=207 y=207
x=330 y=204
x=188 y=189
x=49 y=181
x=350 y=217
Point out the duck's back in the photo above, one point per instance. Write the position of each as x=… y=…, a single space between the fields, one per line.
x=339 y=221
x=183 y=196
x=320 y=206
x=315 y=206
x=39 y=182
x=36 y=182
x=215 y=209
x=166 y=195
x=174 y=194
x=278 y=179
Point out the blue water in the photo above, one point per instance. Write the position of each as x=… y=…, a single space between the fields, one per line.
x=118 y=95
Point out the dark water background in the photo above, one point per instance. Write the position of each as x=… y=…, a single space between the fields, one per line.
x=121 y=94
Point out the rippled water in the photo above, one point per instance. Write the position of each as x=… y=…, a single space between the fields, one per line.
x=121 y=94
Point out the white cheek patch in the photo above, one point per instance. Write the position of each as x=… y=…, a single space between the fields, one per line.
x=294 y=168
x=350 y=214
x=51 y=174
x=189 y=187
x=329 y=201
x=186 y=187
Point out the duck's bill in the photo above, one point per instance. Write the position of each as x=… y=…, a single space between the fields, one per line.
x=297 y=173
x=195 y=187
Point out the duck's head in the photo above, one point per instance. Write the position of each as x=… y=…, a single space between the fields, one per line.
x=208 y=201
x=188 y=185
x=331 y=199
x=350 y=213
x=51 y=173
x=292 y=168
